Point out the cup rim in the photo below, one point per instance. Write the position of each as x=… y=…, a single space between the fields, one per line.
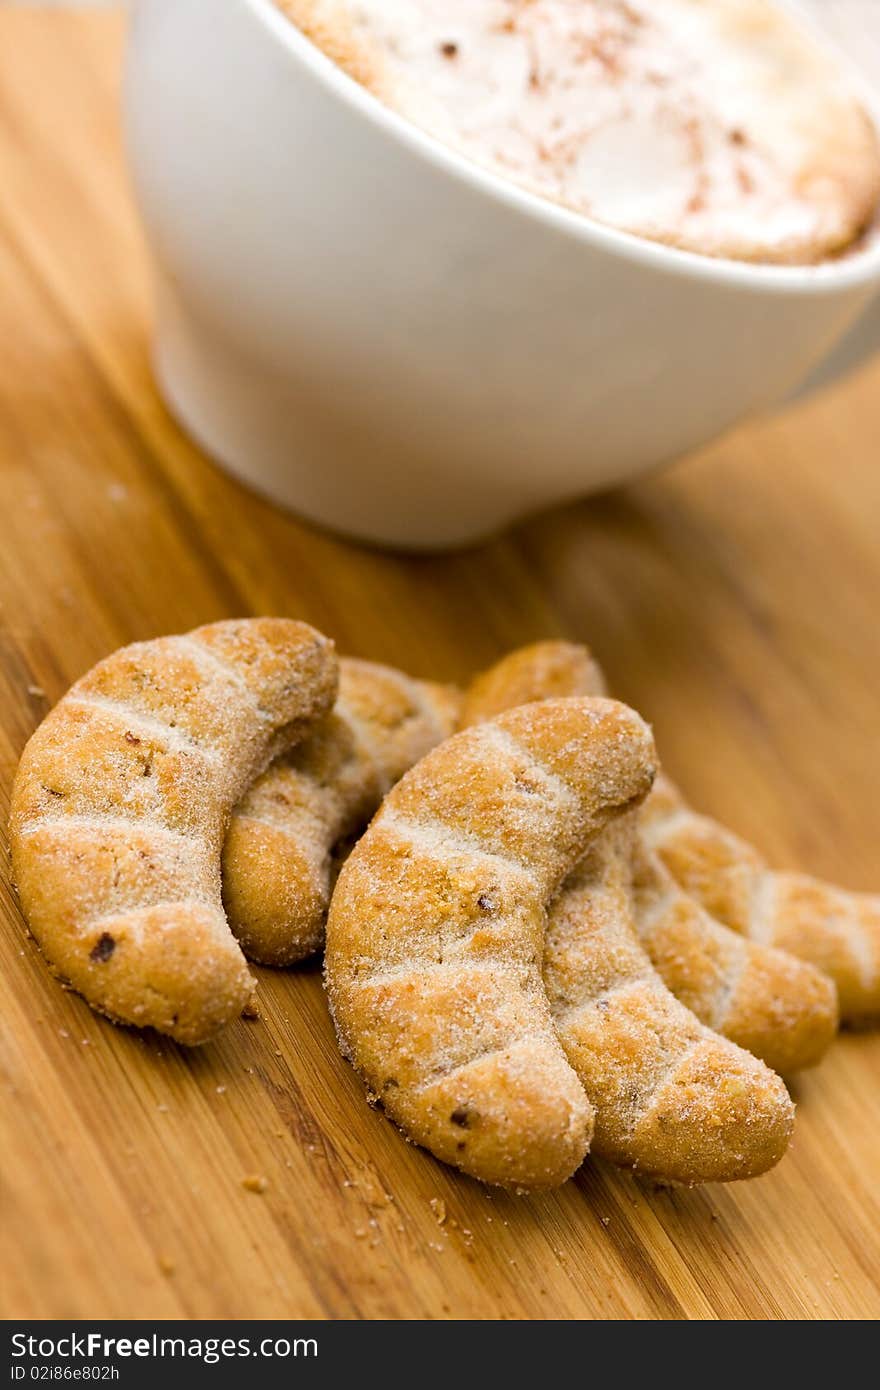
x=851 y=271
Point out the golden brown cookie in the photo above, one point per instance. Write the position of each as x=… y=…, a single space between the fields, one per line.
x=436 y=928
x=279 y=860
x=766 y=1000
x=673 y=1099
x=832 y=929
x=541 y=671
x=121 y=802
x=778 y=1007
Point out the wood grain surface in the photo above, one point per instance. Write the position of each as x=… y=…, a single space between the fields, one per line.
x=733 y=600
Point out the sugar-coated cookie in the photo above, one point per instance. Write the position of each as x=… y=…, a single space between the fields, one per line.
x=435 y=935
x=828 y=927
x=281 y=850
x=673 y=1099
x=782 y=1009
x=121 y=802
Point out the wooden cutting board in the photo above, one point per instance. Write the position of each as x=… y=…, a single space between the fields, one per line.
x=733 y=600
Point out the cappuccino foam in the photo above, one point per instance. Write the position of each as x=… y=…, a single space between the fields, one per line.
x=718 y=126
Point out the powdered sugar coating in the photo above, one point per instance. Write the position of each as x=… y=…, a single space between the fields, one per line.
x=673 y=1099
x=778 y=1007
x=836 y=931
x=120 y=806
x=278 y=860
x=435 y=934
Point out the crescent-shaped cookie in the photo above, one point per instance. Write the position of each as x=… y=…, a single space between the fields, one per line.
x=279 y=856
x=831 y=928
x=673 y=1099
x=436 y=931
x=121 y=802
x=767 y=1000
x=774 y=1005
x=540 y=671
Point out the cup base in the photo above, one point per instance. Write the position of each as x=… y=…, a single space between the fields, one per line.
x=268 y=435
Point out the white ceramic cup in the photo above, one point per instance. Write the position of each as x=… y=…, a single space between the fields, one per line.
x=404 y=347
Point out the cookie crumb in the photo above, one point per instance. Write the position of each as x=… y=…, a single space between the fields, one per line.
x=255 y=1183
x=166 y=1265
x=438 y=1207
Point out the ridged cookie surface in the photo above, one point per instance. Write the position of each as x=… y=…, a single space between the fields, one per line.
x=278 y=859
x=830 y=928
x=768 y=1001
x=436 y=932
x=673 y=1099
x=121 y=802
